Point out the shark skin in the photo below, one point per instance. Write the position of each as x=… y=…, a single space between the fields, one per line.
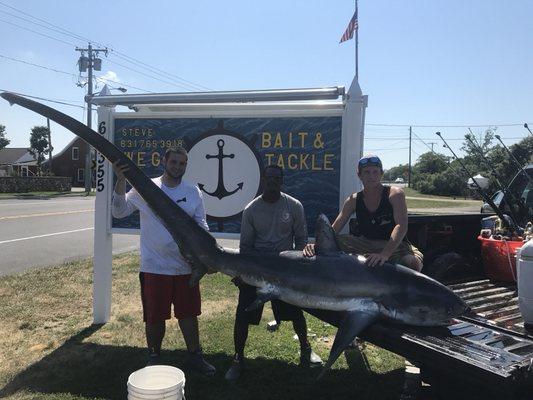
x=334 y=285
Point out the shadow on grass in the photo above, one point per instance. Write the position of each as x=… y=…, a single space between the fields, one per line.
x=89 y=370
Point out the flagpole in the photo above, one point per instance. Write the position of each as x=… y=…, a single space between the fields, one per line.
x=356 y=45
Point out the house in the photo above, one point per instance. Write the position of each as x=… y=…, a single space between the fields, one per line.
x=71 y=162
x=17 y=161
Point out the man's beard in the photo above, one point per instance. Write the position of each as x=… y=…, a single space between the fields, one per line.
x=177 y=175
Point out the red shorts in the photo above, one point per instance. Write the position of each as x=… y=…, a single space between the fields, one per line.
x=158 y=292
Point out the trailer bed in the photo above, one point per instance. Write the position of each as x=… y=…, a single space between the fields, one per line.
x=488 y=353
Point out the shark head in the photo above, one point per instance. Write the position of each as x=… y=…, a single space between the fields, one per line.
x=426 y=302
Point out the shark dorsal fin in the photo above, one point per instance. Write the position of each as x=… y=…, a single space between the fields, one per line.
x=326 y=242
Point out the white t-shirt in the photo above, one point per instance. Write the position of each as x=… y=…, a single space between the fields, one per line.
x=159 y=253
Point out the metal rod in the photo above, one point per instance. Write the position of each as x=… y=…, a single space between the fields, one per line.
x=527 y=127
x=503 y=188
x=516 y=162
x=487 y=199
x=356 y=42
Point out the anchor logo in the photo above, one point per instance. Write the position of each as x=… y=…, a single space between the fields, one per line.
x=221 y=191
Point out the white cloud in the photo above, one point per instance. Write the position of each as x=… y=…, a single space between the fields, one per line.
x=109 y=77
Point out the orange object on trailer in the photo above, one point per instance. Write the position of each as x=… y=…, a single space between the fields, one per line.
x=499 y=258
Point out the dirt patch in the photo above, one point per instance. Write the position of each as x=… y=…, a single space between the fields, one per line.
x=212 y=307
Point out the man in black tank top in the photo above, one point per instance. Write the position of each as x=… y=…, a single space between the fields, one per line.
x=381 y=213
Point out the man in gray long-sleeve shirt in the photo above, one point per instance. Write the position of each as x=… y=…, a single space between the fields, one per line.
x=271 y=223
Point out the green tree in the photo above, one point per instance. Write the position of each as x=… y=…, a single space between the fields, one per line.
x=39 y=145
x=473 y=147
x=3 y=140
x=431 y=163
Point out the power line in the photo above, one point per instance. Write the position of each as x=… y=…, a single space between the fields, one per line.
x=387 y=149
x=67 y=32
x=35 y=23
x=104 y=80
x=60 y=30
x=43 y=98
x=71 y=74
x=38 y=33
x=159 y=72
x=38 y=66
x=407 y=138
x=444 y=126
x=145 y=74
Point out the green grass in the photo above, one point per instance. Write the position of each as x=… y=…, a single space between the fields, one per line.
x=410 y=192
x=50 y=350
x=416 y=199
x=422 y=203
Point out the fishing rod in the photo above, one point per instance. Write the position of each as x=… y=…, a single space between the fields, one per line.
x=503 y=188
x=517 y=163
x=486 y=198
x=527 y=127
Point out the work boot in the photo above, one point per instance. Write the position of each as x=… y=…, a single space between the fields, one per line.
x=235 y=371
x=308 y=358
x=197 y=363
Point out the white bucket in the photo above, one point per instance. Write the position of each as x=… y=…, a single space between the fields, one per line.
x=157 y=382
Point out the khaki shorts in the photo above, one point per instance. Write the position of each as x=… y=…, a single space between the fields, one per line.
x=361 y=245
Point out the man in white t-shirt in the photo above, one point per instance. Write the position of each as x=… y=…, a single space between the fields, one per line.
x=164 y=273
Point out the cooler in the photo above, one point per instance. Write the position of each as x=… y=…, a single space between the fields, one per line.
x=499 y=258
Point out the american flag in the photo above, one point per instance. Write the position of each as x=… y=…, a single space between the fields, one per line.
x=350 y=29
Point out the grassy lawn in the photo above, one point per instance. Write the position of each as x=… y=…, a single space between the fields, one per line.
x=50 y=350
x=416 y=199
x=423 y=203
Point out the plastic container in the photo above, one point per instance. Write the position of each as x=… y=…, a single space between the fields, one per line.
x=157 y=382
x=525 y=282
x=499 y=258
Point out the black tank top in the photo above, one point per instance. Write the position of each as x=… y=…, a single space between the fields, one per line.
x=378 y=224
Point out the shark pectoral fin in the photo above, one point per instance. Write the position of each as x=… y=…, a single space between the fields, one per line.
x=353 y=323
x=262 y=298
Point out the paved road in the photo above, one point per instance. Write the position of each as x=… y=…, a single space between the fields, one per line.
x=38 y=233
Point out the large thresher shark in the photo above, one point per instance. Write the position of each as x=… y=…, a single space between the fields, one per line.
x=337 y=287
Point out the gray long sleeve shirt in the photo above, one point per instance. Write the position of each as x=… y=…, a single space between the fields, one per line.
x=273 y=227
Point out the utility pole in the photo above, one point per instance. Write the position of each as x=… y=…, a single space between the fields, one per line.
x=49 y=146
x=409 y=176
x=432 y=143
x=87 y=64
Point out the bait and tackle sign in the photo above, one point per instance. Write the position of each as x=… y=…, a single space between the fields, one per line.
x=227 y=157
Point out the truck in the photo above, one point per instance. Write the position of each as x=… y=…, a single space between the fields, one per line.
x=487 y=353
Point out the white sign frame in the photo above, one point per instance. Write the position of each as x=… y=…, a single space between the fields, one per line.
x=352 y=110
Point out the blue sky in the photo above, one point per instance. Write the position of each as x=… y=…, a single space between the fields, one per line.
x=421 y=63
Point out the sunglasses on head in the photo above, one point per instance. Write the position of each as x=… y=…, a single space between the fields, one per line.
x=366 y=160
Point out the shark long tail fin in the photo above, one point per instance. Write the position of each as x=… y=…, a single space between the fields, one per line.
x=197 y=246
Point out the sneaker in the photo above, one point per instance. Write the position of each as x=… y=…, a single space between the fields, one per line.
x=197 y=363
x=308 y=358
x=153 y=359
x=236 y=369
